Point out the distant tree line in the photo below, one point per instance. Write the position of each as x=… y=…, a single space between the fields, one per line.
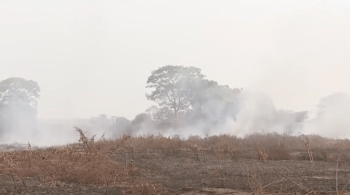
x=183 y=96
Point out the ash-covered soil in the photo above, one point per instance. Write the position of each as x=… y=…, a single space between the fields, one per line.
x=33 y=185
x=186 y=172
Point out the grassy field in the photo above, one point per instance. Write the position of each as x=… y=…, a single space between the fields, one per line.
x=256 y=164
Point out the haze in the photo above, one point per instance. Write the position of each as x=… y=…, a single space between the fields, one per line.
x=94 y=57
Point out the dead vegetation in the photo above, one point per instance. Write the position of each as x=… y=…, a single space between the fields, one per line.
x=88 y=163
x=140 y=165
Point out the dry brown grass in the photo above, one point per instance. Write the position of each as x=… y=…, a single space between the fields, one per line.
x=88 y=164
x=262 y=155
x=146 y=188
x=306 y=142
x=65 y=164
x=91 y=162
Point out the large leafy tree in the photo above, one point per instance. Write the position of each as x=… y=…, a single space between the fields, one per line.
x=215 y=100
x=18 y=90
x=173 y=88
x=18 y=104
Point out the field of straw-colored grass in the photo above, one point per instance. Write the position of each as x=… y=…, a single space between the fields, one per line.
x=259 y=164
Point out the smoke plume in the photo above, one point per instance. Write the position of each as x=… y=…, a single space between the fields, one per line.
x=253 y=112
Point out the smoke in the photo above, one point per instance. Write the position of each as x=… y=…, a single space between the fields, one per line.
x=17 y=120
x=256 y=113
x=332 y=117
x=19 y=127
x=43 y=133
x=248 y=112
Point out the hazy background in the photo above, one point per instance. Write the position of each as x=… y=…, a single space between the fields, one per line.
x=94 y=57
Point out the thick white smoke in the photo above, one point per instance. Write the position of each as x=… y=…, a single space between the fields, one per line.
x=255 y=113
x=49 y=132
x=332 y=117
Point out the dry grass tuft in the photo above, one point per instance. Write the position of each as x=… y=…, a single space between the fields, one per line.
x=114 y=162
x=306 y=143
x=87 y=164
x=262 y=155
x=278 y=153
x=146 y=188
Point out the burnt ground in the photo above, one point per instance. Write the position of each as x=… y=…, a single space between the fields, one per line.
x=35 y=186
x=185 y=173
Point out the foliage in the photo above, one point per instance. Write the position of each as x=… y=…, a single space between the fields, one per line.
x=15 y=90
x=173 y=88
x=183 y=95
x=18 y=104
x=214 y=101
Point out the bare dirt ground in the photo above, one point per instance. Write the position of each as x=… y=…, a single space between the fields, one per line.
x=172 y=166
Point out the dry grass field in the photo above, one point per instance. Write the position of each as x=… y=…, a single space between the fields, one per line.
x=256 y=164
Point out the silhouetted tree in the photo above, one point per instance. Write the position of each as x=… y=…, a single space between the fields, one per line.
x=142 y=123
x=140 y=118
x=18 y=90
x=173 y=88
x=18 y=104
x=159 y=114
x=183 y=90
x=121 y=126
x=212 y=98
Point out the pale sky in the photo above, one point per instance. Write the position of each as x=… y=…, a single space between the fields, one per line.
x=94 y=57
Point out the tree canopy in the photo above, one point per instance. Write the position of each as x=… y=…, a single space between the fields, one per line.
x=18 y=105
x=19 y=90
x=173 y=87
x=180 y=90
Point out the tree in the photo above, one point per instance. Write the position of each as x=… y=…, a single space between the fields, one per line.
x=142 y=123
x=102 y=120
x=18 y=105
x=213 y=101
x=18 y=90
x=173 y=87
x=113 y=119
x=119 y=127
